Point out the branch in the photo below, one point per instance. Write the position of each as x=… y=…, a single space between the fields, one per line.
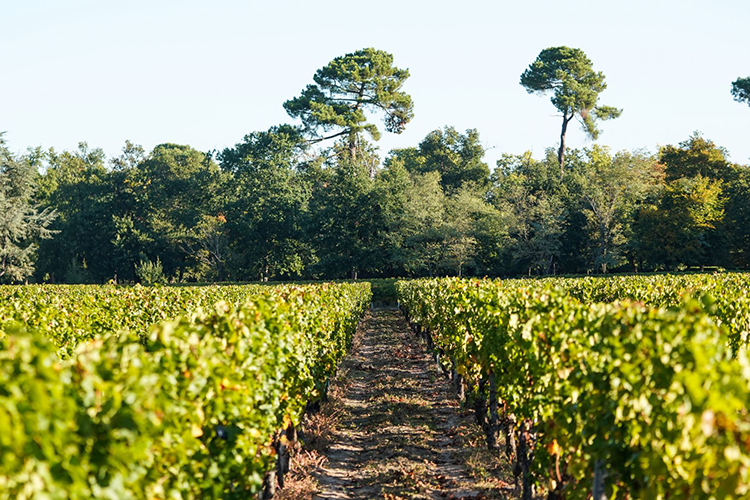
x=321 y=139
x=364 y=101
x=343 y=90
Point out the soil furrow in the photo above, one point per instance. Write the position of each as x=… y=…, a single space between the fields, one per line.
x=400 y=432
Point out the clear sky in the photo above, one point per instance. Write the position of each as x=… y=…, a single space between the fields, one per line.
x=206 y=73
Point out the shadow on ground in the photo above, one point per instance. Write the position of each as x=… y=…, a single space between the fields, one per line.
x=399 y=431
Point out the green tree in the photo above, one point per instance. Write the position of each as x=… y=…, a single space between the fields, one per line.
x=695 y=156
x=529 y=195
x=22 y=222
x=700 y=157
x=538 y=227
x=392 y=196
x=737 y=218
x=348 y=88
x=741 y=90
x=676 y=231
x=268 y=202
x=423 y=230
x=457 y=157
x=166 y=197
x=77 y=185
x=128 y=245
x=208 y=244
x=611 y=188
x=420 y=218
x=575 y=87
x=132 y=155
x=345 y=216
x=470 y=222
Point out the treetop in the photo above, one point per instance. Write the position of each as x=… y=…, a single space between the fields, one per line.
x=349 y=85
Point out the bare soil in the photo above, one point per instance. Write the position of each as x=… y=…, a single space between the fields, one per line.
x=394 y=429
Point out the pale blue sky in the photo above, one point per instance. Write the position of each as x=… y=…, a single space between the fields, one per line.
x=206 y=73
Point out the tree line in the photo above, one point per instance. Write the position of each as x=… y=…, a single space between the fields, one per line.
x=314 y=200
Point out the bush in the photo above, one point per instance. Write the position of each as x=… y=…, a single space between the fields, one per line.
x=150 y=273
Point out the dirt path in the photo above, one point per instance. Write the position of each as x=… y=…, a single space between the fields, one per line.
x=400 y=432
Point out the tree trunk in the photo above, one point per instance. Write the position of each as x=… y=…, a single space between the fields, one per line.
x=492 y=428
x=282 y=459
x=460 y=388
x=600 y=475
x=561 y=151
x=509 y=423
x=558 y=492
x=219 y=271
x=480 y=405
x=269 y=486
x=3 y=268
x=352 y=146
x=549 y=265
x=524 y=457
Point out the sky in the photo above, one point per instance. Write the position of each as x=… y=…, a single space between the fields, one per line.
x=207 y=73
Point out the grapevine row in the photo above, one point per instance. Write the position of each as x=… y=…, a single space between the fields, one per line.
x=204 y=409
x=730 y=295
x=70 y=314
x=618 y=400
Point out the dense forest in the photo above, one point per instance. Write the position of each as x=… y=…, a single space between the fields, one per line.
x=313 y=199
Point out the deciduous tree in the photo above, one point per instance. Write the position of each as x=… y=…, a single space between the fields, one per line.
x=171 y=191
x=76 y=185
x=457 y=157
x=676 y=230
x=525 y=192
x=344 y=215
x=695 y=156
x=268 y=198
x=611 y=187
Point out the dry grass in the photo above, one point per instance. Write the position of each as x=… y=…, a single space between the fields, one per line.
x=309 y=455
x=412 y=439
x=319 y=427
x=299 y=483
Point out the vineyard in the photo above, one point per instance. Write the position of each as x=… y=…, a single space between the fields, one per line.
x=603 y=388
x=621 y=387
x=161 y=393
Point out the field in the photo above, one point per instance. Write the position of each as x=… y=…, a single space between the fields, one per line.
x=617 y=387
x=105 y=398
x=621 y=387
